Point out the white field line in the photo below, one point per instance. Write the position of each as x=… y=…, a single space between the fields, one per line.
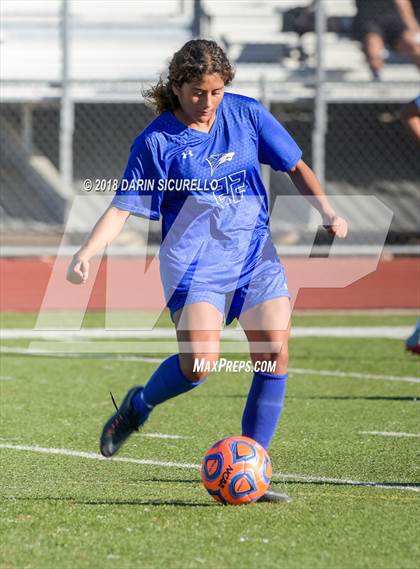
x=285 y=477
x=354 y=375
x=162 y=436
x=147 y=359
x=395 y=332
x=326 y=480
x=56 y=354
x=389 y=434
x=95 y=456
x=6 y=378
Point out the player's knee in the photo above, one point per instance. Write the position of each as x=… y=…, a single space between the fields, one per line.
x=278 y=355
x=283 y=359
x=279 y=351
x=198 y=367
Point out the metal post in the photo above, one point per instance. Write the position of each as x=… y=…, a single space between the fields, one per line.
x=320 y=107
x=66 y=107
x=196 y=19
x=201 y=21
x=265 y=169
x=27 y=128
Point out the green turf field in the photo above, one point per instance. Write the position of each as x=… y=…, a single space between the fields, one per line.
x=76 y=511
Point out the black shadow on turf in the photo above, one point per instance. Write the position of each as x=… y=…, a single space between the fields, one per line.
x=164 y=480
x=363 y=397
x=111 y=502
x=353 y=484
x=337 y=397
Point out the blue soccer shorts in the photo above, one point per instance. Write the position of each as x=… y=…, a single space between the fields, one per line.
x=233 y=303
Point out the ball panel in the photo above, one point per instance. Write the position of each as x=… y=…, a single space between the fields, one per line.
x=242 y=451
x=267 y=470
x=212 y=466
x=242 y=484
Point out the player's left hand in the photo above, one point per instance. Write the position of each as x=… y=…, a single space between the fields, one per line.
x=336 y=226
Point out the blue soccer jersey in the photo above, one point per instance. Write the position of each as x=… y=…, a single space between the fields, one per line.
x=209 y=191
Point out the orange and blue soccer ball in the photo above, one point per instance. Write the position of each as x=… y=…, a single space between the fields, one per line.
x=236 y=470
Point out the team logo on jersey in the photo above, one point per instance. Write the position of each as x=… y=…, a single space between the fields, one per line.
x=186 y=153
x=216 y=160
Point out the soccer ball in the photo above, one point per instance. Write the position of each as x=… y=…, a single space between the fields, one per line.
x=236 y=470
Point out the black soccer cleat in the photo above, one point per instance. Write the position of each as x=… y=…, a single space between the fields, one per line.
x=271 y=496
x=121 y=425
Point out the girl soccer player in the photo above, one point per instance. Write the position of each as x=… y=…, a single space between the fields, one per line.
x=217 y=257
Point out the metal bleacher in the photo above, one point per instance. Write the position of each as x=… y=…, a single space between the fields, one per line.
x=112 y=41
x=254 y=33
x=131 y=41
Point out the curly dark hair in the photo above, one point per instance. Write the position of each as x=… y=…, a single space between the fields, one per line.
x=195 y=59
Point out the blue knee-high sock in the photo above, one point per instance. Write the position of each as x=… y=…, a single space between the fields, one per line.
x=263 y=407
x=166 y=382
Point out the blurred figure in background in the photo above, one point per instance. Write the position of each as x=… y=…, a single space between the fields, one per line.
x=410 y=117
x=409 y=11
x=390 y=23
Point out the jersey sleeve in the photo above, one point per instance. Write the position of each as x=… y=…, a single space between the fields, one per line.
x=139 y=191
x=275 y=145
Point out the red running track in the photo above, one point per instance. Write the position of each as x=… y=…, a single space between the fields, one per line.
x=28 y=283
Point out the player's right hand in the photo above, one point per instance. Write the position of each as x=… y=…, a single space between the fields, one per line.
x=78 y=271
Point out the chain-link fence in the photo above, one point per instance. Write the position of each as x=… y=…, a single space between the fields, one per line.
x=29 y=161
x=103 y=135
x=368 y=152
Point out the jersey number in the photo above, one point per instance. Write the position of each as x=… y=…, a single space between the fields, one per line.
x=230 y=188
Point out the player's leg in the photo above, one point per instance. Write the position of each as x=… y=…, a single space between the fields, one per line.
x=198 y=328
x=408 y=45
x=373 y=46
x=368 y=29
x=267 y=326
x=174 y=376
